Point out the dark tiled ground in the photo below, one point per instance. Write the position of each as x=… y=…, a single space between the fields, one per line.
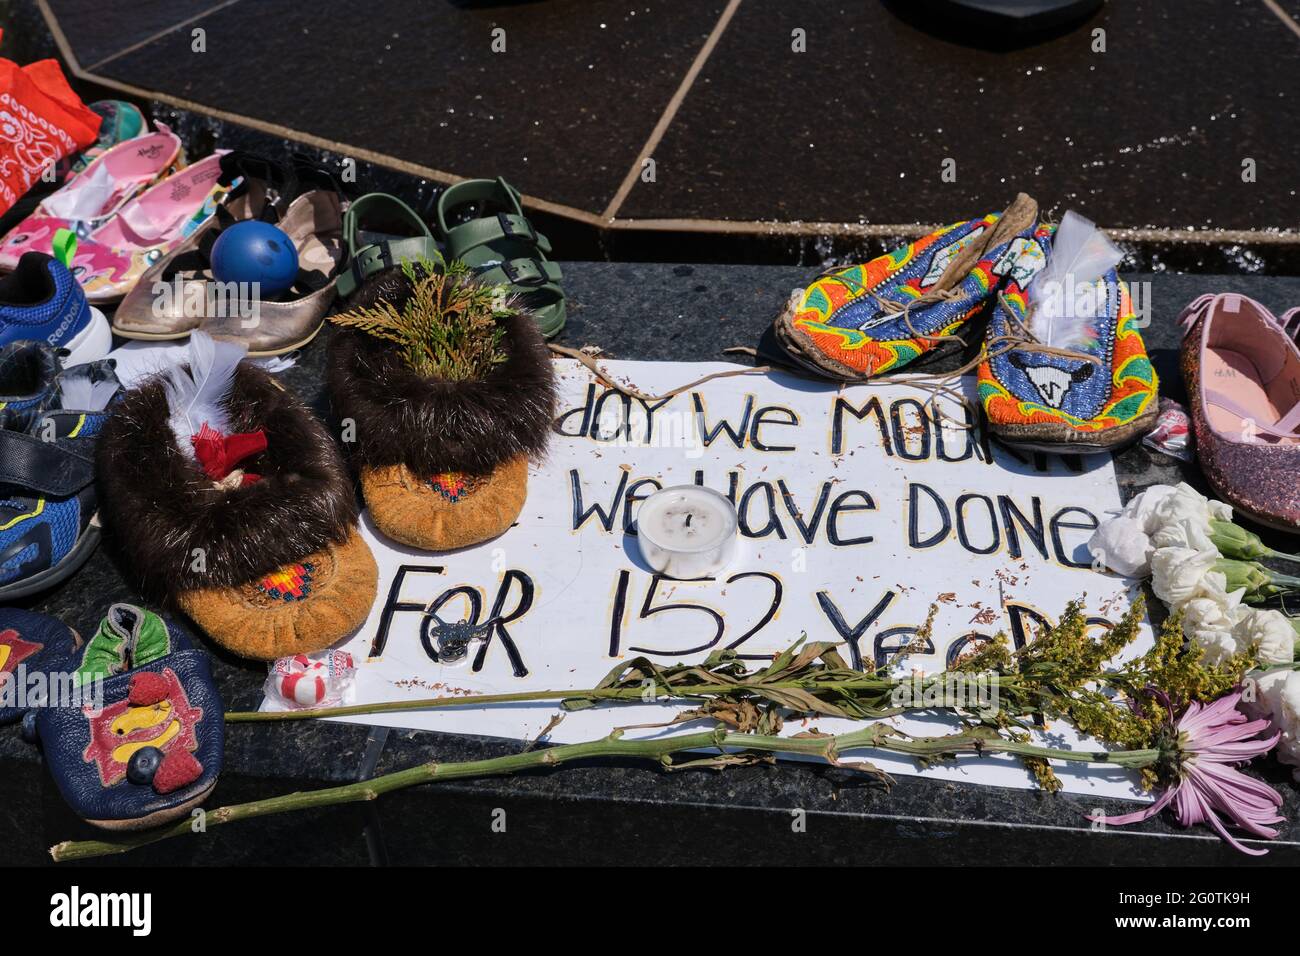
x=97 y=29
x=1150 y=133
x=561 y=113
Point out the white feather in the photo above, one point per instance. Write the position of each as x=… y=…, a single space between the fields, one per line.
x=1063 y=294
x=84 y=393
x=196 y=396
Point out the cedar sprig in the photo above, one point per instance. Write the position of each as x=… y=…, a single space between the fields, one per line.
x=450 y=325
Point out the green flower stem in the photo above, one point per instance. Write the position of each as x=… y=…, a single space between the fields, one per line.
x=864 y=687
x=1234 y=541
x=1283 y=581
x=875 y=736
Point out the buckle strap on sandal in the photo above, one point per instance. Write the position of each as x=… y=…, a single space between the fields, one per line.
x=524 y=272
x=383 y=255
x=365 y=260
x=47 y=467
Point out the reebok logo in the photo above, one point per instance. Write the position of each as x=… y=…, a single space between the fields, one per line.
x=77 y=909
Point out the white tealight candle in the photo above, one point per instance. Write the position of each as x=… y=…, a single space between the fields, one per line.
x=687 y=531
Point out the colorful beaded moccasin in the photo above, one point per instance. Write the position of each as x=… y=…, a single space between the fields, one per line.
x=224 y=494
x=1099 y=393
x=442 y=451
x=141 y=743
x=1241 y=366
x=908 y=305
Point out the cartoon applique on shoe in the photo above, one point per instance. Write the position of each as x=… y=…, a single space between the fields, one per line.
x=1065 y=368
x=908 y=305
x=226 y=495
x=452 y=393
x=147 y=747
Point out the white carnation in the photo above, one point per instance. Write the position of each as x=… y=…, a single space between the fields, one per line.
x=1180 y=574
x=1271 y=631
x=1277 y=697
x=1120 y=544
x=1142 y=508
x=1210 y=624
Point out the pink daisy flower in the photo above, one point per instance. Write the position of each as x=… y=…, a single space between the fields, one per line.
x=1212 y=740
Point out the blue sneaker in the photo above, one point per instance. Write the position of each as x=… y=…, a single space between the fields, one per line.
x=40 y=300
x=48 y=525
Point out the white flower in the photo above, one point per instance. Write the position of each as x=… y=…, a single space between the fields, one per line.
x=1277 y=697
x=1180 y=574
x=1181 y=519
x=1209 y=623
x=1142 y=508
x=1271 y=631
x=1120 y=544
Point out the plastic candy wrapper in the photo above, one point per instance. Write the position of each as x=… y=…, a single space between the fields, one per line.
x=311 y=680
x=1172 y=435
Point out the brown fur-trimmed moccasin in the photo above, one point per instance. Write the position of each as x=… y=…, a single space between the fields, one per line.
x=224 y=494
x=447 y=390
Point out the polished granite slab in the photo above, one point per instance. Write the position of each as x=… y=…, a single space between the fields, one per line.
x=618 y=812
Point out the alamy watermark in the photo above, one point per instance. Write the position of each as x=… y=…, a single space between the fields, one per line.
x=213 y=299
x=32 y=689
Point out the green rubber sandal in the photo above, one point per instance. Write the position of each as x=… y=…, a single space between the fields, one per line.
x=502 y=246
x=379 y=232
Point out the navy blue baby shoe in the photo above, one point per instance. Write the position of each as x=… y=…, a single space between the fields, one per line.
x=31 y=647
x=144 y=746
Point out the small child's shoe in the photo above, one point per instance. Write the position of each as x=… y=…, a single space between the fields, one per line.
x=27 y=370
x=93 y=196
x=112 y=259
x=49 y=522
x=443 y=451
x=856 y=323
x=41 y=301
x=1095 y=392
x=32 y=646
x=226 y=495
x=143 y=745
x=1241 y=365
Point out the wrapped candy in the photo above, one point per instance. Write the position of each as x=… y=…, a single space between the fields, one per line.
x=311 y=680
x=1172 y=435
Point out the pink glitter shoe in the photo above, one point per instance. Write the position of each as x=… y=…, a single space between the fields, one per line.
x=1241 y=366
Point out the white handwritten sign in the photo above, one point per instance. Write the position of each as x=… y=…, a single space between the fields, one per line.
x=857 y=514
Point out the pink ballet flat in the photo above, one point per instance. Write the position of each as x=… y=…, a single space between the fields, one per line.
x=1241 y=366
x=93 y=196
x=110 y=261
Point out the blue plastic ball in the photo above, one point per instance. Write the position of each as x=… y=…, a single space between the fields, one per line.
x=255 y=251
